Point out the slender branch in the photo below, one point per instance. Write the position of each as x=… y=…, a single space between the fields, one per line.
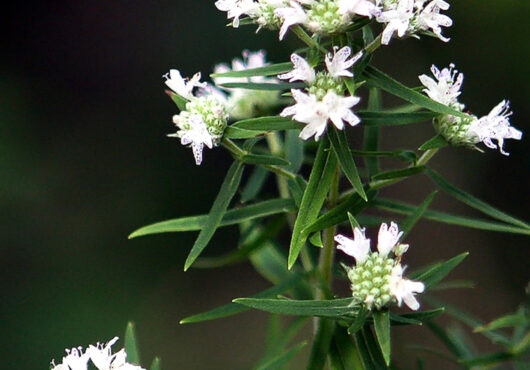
x=306 y=39
x=374 y=45
x=239 y=153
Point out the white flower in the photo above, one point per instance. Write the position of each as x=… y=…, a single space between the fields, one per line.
x=358 y=248
x=120 y=362
x=291 y=15
x=387 y=238
x=338 y=108
x=397 y=20
x=446 y=89
x=365 y=8
x=338 y=63
x=302 y=70
x=193 y=132
x=180 y=86
x=495 y=126
x=74 y=360
x=315 y=114
x=101 y=355
x=404 y=289
x=236 y=8
x=430 y=18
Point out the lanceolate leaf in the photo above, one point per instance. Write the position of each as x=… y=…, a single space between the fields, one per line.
x=282 y=359
x=270 y=70
x=313 y=198
x=273 y=123
x=433 y=143
x=178 y=100
x=262 y=85
x=371 y=134
x=321 y=344
x=472 y=201
x=233 y=308
x=387 y=83
x=155 y=365
x=340 y=145
x=393 y=119
x=382 y=330
x=232 y=132
x=294 y=151
x=264 y=159
x=436 y=273
x=398 y=173
x=254 y=184
x=408 y=209
x=343 y=352
x=228 y=189
x=335 y=308
x=231 y=217
x=131 y=346
x=409 y=222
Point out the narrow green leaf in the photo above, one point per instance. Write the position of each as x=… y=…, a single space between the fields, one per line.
x=278 y=337
x=382 y=330
x=445 y=339
x=340 y=145
x=473 y=202
x=373 y=348
x=231 y=217
x=489 y=359
x=273 y=123
x=130 y=344
x=364 y=353
x=393 y=118
x=353 y=222
x=512 y=320
x=178 y=100
x=269 y=70
x=313 y=198
x=156 y=364
x=254 y=185
x=354 y=204
x=408 y=209
x=233 y=308
x=283 y=358
x=434 y=143
x=294 y=151
x=232 y=132
x=321 y=344
x=385 y=82
x=343 y=352
x=409 y=222
x=359 y=321
x=435 y=274
x=397 y=174
x=297 y=188
x=334 y=308
x=371 y=134
x=316 y=240
x=265 y=86
x=228 y=190
x=469 y=320
x=418 y=317
x=264 y=159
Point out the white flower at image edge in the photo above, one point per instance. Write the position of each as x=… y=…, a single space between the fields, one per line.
x=294 y=14
x=315 y=114
x=236 y=8
x=360 y=7
x=397 y=20
x=495 y=126
x=74 y=360
x=195 y=134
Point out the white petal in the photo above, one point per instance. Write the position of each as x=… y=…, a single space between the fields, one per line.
x=388 y=238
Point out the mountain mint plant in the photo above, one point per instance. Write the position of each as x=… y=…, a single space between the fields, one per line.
x=291 y=120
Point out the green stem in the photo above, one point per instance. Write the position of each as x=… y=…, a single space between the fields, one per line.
x=374 y=45
x=306 y=39
x=239 y=153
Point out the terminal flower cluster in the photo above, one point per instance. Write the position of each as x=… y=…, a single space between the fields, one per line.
x=445 y=89
x=243 y=103
x=100 y=355
x=324 y=98
x=205 y=118
x=377 y=278
x=400 y=17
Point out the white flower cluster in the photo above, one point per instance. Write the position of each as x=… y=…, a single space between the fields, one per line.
x=244 y=103
x=401 y=17
x=445 y=89
x=100 y=355
x=410 y=17
x=325 y=99
x=377 y=278
x=204 y=120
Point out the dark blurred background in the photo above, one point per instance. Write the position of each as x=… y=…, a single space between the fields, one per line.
x=85 y=161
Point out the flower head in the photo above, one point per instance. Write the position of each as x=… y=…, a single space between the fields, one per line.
x=377 y=278
x=182 y=86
